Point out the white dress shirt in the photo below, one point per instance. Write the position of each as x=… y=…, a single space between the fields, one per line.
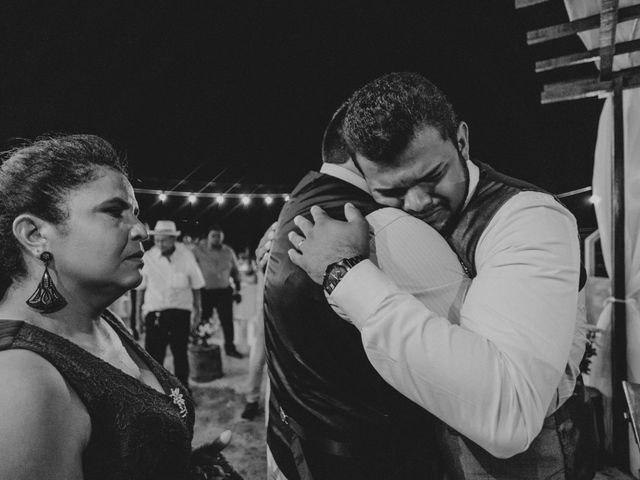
x=495 y=376
x=169 y=281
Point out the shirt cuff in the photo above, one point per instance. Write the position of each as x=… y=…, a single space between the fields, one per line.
x=361 y=290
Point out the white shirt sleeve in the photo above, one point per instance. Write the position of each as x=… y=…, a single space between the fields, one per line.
x=418 y=260
x=492 y=377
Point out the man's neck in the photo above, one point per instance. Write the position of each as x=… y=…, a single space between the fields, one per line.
x=215 y=247
x=346 y=172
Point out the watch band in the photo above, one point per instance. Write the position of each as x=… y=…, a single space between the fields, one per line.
x=337 y=270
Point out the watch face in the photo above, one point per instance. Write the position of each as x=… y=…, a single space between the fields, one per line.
x=335 y=275
x=337 y=271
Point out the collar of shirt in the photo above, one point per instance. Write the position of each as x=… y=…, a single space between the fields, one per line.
x=335 y=170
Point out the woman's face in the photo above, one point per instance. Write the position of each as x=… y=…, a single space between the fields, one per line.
x=98 y=250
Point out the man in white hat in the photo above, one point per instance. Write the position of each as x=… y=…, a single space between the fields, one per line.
x=169 y=297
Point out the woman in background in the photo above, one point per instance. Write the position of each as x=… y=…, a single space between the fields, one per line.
x=79 y=398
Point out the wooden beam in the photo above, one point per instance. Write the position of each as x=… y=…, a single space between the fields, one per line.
x=618 y=286
x=581 y=25
x=528 y=3
x=588 y=87
x=608 y=24
x=584 y=57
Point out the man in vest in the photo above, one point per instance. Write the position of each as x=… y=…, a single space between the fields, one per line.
x=503 y=380
x=331 y=416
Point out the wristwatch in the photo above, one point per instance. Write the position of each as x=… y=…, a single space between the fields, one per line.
x=337 y=270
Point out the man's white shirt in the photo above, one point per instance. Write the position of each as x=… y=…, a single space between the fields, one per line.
x=169 y=281
x=496 y=371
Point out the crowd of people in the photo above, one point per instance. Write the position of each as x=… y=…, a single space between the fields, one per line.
x=422 y=317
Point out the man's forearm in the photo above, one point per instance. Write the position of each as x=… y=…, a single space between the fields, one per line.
x=197 y=302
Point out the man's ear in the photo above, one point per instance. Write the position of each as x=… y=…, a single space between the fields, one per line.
x=463 y=140
x=29 y=230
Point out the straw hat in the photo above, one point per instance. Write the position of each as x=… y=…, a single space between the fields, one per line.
x=165 y=227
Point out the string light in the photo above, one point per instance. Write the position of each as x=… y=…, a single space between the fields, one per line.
x=219 y=198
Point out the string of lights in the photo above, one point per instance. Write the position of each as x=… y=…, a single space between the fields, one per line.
x=269 y=198
x=219 y=198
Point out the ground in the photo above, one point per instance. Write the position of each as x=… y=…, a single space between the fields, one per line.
x=219 y=404
x=218 y=407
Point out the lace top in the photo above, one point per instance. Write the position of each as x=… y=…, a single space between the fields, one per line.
x=137 y=432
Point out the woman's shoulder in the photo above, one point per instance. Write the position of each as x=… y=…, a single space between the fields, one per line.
x=33 y=388
x=44 y=425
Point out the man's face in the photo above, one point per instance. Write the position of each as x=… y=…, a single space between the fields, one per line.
x=214 y=238
x=428 y=180
x=164 y=242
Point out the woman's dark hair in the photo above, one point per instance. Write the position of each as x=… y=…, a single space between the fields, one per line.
x=36 y=178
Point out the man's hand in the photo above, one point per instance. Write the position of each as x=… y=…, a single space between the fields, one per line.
x=195 y=318
x=328 y=240
x=264 y=247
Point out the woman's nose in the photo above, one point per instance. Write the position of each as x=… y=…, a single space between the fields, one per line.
x=139 y=231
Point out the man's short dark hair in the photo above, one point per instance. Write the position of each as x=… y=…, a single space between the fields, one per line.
x=214 y=228
x=384 y=115
x=334 y=146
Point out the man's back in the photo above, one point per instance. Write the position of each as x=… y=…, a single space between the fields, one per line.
x=319 y=372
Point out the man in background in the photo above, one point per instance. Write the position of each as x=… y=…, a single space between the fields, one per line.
x=219 y=267
x=168 y=299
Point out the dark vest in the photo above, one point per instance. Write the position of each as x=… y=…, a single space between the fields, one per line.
x=492 y=192
x=348 y=421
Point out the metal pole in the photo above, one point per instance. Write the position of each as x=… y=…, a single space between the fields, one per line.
x=619 y=312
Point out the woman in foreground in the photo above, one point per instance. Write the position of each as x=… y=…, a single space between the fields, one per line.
x=79 y=398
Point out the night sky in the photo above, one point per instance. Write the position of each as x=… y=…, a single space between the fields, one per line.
x=239 y=92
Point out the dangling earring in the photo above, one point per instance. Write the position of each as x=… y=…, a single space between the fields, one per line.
x=46 y=298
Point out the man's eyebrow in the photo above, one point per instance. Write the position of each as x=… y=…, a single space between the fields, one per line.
x=406 y=183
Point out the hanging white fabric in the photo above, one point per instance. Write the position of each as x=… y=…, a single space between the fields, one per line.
x=600 y=376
